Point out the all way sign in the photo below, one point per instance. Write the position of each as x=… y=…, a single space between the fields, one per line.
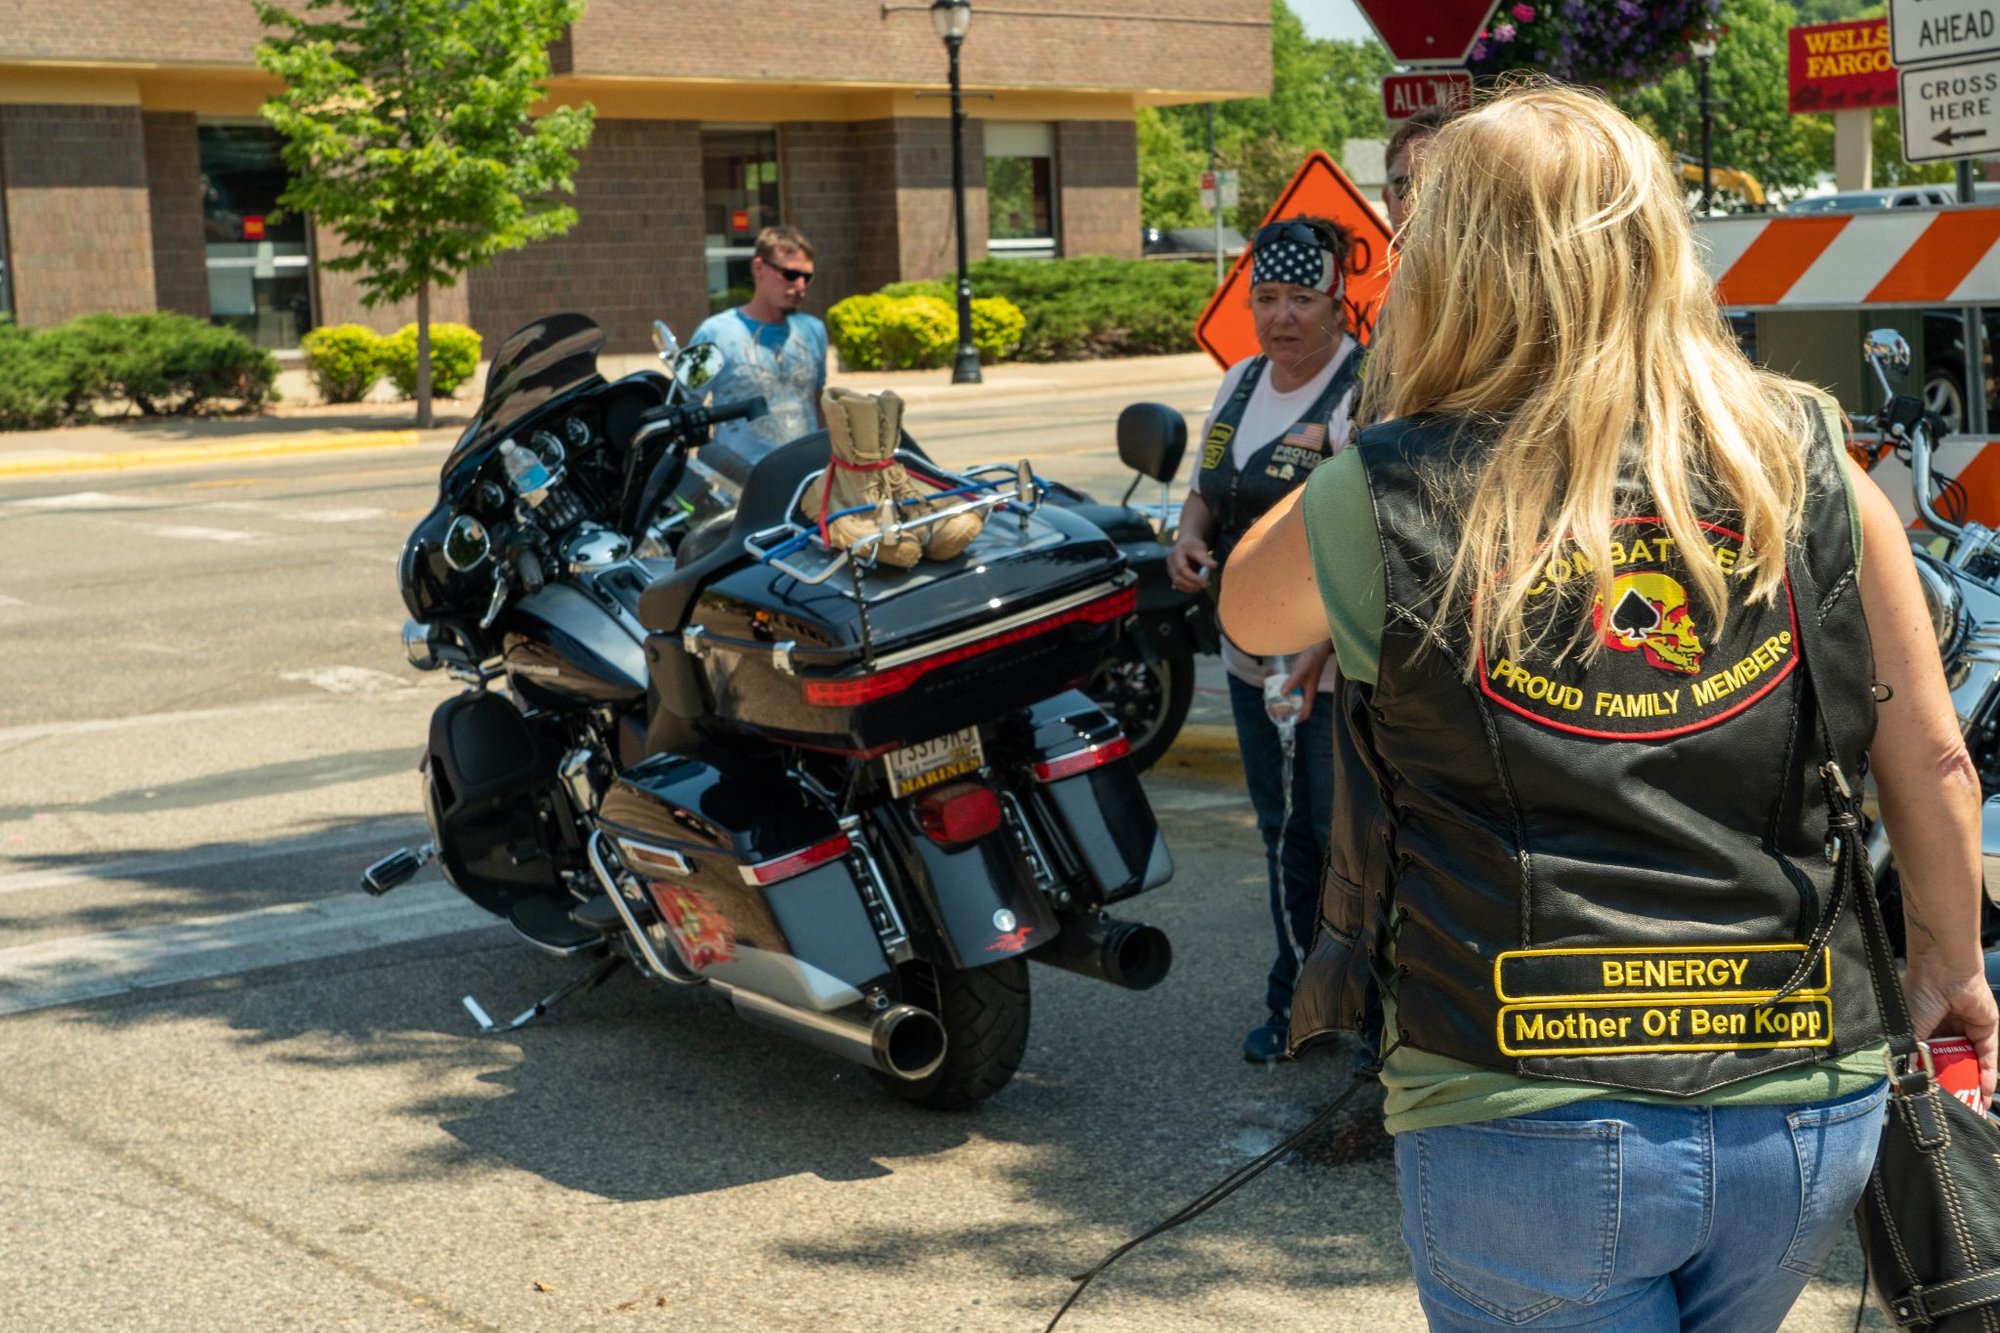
x=1924 y=31
x=1951 y=110
x=1404 y=95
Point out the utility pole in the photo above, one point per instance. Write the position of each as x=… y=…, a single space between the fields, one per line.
x=1216 y=176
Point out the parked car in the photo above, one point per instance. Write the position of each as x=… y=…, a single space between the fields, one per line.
x=1855 y=201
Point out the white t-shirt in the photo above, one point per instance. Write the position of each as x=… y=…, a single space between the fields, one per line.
x=1268 y=415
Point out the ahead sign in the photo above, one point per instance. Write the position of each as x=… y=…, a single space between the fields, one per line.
x=1434 y=32
x=1950 y=110
x=1923 y=31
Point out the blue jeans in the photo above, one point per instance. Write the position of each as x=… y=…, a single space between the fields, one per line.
x=1629 y=1216
x=1293 y=853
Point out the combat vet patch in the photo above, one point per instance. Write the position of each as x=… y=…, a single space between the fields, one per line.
x=1670 y=998
x=1664 y=670
x=1219 y=436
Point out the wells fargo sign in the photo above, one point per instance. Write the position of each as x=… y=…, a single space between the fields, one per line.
x=1838 y=66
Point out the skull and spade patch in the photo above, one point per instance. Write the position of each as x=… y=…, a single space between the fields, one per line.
x=1663 y=668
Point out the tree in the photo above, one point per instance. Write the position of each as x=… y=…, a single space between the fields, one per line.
x=1323 y=93
x=1753 y=128
x=409 y=131
x=1169 y=174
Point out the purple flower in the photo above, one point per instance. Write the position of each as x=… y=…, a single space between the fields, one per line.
x=1503 y=32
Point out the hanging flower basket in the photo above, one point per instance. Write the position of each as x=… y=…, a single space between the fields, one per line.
x=1605 y=43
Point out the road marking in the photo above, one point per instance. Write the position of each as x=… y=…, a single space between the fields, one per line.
x=10 y=601
x=90 y=967
x=189 y=532
x=349 y=680
x=350 y=514
x=172 y=865
x=86 y=500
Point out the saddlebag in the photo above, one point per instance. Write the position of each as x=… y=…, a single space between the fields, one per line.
x=487 y=782
x=1087 y=805
x=752 y=877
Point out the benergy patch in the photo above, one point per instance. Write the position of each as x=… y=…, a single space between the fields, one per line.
x=1672 y=972
x=1662 y=670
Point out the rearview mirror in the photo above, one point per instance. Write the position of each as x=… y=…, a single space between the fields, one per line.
x=664 y=341
x=696 y=365
x=1889 y=349
x=1151 y=439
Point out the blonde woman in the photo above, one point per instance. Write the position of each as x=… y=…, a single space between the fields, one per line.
x=1632 y=1060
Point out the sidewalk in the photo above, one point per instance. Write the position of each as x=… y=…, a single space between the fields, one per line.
x=298 y=425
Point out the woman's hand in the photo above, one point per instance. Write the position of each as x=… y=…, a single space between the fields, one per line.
x=1305 y=676
x=1945 y=1003
x=1189 y=565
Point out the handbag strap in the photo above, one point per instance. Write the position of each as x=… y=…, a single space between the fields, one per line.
x=1851 y=862
x=1921 y=1305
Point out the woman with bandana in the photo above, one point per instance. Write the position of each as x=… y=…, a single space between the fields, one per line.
x=1278 y=415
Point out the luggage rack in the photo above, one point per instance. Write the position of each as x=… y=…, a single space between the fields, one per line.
x=796 y=549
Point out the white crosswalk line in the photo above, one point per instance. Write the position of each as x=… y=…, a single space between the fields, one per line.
x=86 y=500
x=89 y=967
x=192 y=533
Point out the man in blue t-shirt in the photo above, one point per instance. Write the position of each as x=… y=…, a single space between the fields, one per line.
x=769 y=348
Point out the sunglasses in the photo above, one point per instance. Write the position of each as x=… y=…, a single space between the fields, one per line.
x=804 y=275
x=1400 y=186
x=1302 y=233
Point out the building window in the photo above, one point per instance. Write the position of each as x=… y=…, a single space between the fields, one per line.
x=1020 y=190
x=739 y=184
x=259 y=269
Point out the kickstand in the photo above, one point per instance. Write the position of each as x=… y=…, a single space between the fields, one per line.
x=582 y=980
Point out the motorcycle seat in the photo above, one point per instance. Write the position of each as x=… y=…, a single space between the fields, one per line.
x=708 y=551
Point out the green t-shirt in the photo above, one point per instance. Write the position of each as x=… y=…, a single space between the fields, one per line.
x=1426 y=1090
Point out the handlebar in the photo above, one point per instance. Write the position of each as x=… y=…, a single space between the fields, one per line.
x=692 y=420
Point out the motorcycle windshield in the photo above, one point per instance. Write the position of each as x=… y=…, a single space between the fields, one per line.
x=538 y=363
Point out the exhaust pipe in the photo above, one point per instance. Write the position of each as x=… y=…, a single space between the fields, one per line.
x=901 y=1041
x=1123 y=953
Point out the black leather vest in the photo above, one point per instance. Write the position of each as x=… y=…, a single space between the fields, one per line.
x=1598 y=873
x=1239 y=497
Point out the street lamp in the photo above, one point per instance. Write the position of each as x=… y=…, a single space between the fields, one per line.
x=951 y=18
x=1701 y=45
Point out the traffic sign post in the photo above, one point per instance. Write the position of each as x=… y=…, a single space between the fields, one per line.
x=1951 y=111
x=1436 y=32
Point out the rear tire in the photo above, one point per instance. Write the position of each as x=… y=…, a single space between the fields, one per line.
x=1149 y=700
x=985 y=1017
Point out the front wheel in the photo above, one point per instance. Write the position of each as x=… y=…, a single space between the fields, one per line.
x=985 y=1017
x=1148 y=700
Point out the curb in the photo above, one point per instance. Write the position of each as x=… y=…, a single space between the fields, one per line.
x=1207 y=737
x=170 y=455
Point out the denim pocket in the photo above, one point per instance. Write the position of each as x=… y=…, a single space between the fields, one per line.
x=1835 y=1143
x=1520 y=1216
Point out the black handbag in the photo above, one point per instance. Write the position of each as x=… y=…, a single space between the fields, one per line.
x=1929 y=1221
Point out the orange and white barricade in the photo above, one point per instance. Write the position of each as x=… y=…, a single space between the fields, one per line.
x=1902 y=259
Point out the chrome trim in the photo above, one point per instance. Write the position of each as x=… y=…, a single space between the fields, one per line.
x=781 y=657
x=418 y=646
x=555 y=950
x=876 y=898
x=691 y=640
x=930 y=647
x=859 y=1036
x=1943 y=601
x=1027 y=844
x=617 y=895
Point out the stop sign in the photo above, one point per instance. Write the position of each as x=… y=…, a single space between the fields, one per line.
x=1436 y=32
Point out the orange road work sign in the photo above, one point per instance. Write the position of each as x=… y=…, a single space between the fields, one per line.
x=1320 y=188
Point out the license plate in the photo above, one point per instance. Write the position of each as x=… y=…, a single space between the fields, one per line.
x=927 y=763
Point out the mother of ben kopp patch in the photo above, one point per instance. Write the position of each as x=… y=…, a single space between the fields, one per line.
x=1664 y=669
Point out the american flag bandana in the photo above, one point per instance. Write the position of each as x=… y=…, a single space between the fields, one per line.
x=1290 y=261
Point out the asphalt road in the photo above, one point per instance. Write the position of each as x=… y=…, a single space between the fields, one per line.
x=237 y=1095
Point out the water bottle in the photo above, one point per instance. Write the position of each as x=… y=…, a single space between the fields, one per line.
x=1282 y=706
x=525 y=472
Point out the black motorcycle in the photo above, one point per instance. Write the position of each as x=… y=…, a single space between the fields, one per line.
x=1958 y=568
x=1147 y=683
x=852 y=800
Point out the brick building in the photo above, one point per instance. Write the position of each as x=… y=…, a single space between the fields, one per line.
x=136 y=175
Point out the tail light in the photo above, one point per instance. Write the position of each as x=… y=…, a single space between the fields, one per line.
x=958 y=812
x=853 y=691
x=1095 y=756
x=785 y=867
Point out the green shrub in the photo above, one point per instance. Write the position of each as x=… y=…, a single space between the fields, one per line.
x=454 y=356
x=344 y=361
x=919 y=333
x=997 y=325
x=163 y=364
x=854 y=327
x=943 y=291
x=33 y=389
x=1097 y=306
